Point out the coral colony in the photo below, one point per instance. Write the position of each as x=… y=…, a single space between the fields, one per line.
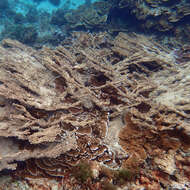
x=94 y=95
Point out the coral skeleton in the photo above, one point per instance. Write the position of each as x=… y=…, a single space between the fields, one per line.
x=107 y=106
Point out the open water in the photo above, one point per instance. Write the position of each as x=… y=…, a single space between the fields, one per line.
x=36 y=21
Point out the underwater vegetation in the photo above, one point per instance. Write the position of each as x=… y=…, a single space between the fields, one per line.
x=123 y=176
x=82 y=172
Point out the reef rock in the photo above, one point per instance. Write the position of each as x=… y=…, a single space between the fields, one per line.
x=161 y=15
x=89 y=17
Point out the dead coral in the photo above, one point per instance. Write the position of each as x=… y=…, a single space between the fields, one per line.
x=176 y=95
x=95 y=100
x=51 y=99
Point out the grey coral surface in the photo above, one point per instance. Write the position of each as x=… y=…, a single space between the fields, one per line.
x=118 y=103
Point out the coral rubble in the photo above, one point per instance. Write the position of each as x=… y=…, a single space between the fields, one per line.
x=96 y=103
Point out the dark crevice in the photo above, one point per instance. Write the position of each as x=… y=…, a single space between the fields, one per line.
x=13 y=71
x=187 y=111
x=143 y=107
x=115 y=101
x=134 y=68
x=38 y=113
x=152 y=66
x=99 y=80
x=29 y=90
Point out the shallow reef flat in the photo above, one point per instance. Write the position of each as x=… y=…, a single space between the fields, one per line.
x=96 y=112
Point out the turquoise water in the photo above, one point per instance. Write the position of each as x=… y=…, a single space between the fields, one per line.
x=37 y=22
x=48 y=22
x=23 y=6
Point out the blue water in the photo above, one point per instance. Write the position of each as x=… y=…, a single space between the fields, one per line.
x=23 y=6
x=36 y=21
